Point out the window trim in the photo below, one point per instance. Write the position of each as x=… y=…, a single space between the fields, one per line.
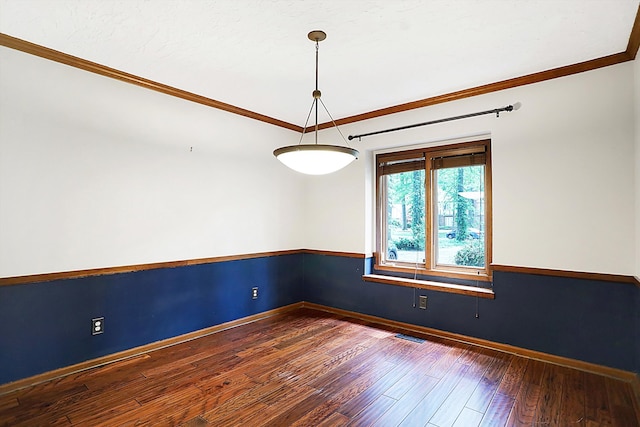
x=427 y=156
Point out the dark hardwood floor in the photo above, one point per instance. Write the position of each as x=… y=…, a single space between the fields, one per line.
x=311 y=368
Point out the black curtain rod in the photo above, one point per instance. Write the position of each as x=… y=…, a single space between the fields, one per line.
x=495 y=111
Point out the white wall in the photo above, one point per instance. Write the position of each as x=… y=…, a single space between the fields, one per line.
x=563 y=173
x=98 y=173
x=336 y=206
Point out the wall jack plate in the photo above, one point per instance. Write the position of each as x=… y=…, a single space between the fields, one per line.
x=422 y=303
x=254 y=293
x=97 y=326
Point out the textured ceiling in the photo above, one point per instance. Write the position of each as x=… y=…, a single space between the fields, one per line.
x=255 y=54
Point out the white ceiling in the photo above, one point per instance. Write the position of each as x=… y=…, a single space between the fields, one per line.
x=255 y=54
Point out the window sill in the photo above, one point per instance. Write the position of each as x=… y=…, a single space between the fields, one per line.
x=433 y=286
x=441 y=273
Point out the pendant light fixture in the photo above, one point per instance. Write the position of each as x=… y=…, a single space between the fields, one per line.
x=316 y=159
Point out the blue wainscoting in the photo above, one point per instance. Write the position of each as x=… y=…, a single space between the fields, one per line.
x=592 y=321
x=637 y=329
x=45 y=326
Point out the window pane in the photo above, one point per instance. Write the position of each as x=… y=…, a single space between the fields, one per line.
x=460 y=216
x=405 y=217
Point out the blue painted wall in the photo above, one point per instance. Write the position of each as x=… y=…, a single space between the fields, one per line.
x=45 y=326
x=593 y=321
x=637 y=328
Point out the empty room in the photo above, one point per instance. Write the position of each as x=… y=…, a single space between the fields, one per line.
x=320 y=213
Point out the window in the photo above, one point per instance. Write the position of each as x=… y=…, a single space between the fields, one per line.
x=434 y=210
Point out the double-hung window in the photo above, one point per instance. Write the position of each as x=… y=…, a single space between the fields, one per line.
x=434 y=210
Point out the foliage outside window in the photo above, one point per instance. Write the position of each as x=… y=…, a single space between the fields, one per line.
x=434 y=210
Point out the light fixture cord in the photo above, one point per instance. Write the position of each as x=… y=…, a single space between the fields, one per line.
x=304 y=129
x=324 y=106
x=314 y=104
x=315 y=97
x=334 y=123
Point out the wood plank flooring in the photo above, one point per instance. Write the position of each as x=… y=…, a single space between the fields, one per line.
x=311 y=368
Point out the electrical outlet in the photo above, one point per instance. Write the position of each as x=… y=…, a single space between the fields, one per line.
x=97 y=326
x=254 y=293
x=423 y=302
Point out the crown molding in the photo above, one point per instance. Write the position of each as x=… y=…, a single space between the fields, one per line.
x=554 y=73
x=31 y=48
x=628 y=55
x=103 y=70
x=634 y=37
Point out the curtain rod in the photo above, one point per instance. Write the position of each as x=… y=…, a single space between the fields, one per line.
x=495 y=111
